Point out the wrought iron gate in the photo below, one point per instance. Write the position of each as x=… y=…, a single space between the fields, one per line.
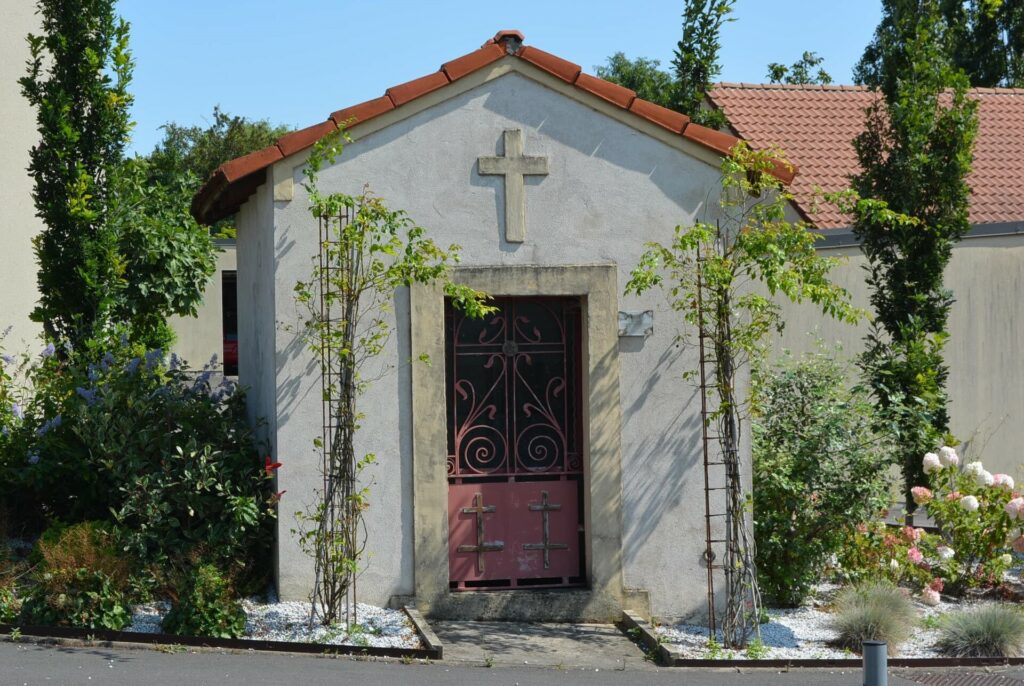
x=515 y=463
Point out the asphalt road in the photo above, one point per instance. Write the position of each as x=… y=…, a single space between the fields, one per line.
x=26 y=664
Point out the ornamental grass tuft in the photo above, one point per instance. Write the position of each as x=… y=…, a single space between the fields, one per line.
x=988 y=631
x=873 y=611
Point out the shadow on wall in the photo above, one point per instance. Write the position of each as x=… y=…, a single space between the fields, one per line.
x=664 y=468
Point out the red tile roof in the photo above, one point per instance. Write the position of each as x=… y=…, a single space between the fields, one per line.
x=234 y=181
x=815 y=126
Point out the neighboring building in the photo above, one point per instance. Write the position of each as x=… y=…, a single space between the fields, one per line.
x=619 y=481
x=18 y=221
x=815 y=126
x=198 y=338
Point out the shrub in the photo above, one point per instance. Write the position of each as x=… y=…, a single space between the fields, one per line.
x=117 y=430
x=206 y=607
x=80 y=580
x=988 y=631
x=978 y=516
x=819 y=470
x=873 y=611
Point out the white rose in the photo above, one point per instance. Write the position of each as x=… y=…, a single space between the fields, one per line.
x=985 y=478
x=974 y=468
x=948 y=456
x=945 y=552
x=1006 y=559
x=969 y=503
x=931 y=463
x=894 y=565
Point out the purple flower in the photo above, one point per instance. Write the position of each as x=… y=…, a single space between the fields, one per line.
x=49 y=426
x=212 y=364
x=124 y=340
x=33 y=457
x=153 y=359
x=94 y=374
x=18 y=411
x=133 y=365
x=48 y=351
x=8 y=359
x=87 y=394
x=107 y=361
x=175 y=362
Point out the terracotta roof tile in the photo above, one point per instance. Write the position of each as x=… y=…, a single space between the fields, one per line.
x=410 y=90
x=457 y=68
x=716 y=140
x=364 y=111
x=816 y=125
x=248 y=164
x=303 y=138
x=606 y=90
x=234 y=181
x=556 y=66
x=662 y=116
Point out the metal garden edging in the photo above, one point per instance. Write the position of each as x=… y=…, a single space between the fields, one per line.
x=433 y=651
x=638 y=628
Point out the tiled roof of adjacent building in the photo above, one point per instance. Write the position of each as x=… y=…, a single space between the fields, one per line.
x=815 y=126
x=234 y=181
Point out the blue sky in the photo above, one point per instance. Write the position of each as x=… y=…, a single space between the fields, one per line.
x=296 y=62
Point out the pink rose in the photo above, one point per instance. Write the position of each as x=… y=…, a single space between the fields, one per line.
x=930 y=597
x=914 y=555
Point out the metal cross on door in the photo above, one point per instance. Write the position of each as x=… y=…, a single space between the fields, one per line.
x=514 y=446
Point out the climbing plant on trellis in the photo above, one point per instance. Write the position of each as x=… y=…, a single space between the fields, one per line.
x=721 y=275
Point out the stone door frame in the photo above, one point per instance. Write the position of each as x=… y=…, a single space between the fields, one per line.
x=603 y=600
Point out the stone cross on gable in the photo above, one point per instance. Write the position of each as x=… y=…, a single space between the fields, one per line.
x=514 y=166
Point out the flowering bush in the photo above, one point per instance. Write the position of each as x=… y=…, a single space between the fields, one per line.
x=119 y=432
x=978 y=514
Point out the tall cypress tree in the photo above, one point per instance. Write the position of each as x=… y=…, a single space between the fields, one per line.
x=77 y=80
x=915 y=154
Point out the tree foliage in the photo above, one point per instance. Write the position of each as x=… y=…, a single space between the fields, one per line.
x=707 y=271
x=696 y=58
x=984 y=38
x=198 y=151
x=910 y=206
x=119 y=247
x=642 y=75
x=77 y=81
x=800 y=72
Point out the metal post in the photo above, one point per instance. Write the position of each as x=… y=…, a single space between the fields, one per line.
x=876 y=671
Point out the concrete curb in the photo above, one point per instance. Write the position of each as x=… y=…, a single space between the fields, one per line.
x=135 y=640
x=426 y=633
x=641 y=630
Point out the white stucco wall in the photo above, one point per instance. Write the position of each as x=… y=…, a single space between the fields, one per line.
x=17 y=211
x=986 y=380
x=200 y=337
x=610 y=189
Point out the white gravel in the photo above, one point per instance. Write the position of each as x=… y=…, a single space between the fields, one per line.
x=805 y=633
x=376 y=627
